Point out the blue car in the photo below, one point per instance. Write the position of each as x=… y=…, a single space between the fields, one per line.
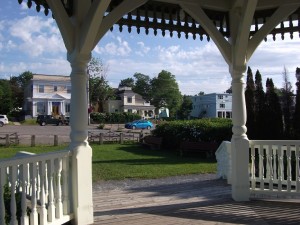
x=139 y=124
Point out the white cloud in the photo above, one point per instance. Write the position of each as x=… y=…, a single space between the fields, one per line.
x=143 y=49
x=118 y=47
x=35 y=36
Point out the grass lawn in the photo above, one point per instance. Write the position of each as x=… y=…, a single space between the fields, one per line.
x=117 y=162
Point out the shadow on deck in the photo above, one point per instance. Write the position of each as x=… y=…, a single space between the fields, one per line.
x=201 y=199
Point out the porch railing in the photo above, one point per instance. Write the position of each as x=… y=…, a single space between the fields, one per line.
x=274 y=167
x=36 y=189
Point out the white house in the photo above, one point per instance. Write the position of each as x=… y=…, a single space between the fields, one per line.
x=48 y=95
x=212 y=105
x=130 y=101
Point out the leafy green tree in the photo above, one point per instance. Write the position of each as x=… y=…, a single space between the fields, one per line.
x=185 y=108
x=287 y=101
x=250 y=104
x=259 y=106
x=128 y=82
x=6 y=97
x=99 y=89
x=273 y=126
x=201 y=93
x=165 y=92
x=296 y=117
x=142 y=85
x=18 y=85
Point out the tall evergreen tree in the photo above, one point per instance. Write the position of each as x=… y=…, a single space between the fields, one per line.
x=259 y=106
x=273 y=126
x=250 y=104
x=287 y=100
x=296 y=117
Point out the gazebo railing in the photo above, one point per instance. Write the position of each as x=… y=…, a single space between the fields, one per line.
x=274 y=167
x=36 y=189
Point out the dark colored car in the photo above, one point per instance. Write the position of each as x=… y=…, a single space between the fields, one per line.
x=48 y=119
x=139 y=124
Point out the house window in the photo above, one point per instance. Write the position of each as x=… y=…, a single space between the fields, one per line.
x=40 y=108
x=55 y=88
x=67 y=107
x=220 y=96
x=228 y=114
x=68 y=89
x=130 y=110
x=41 y=88
x=129 y=99
x=222 y=106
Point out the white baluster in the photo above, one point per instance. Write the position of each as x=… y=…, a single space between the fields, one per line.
x=24 y=217
x=297 y=155
x=46 y=183
x=275 y=160
x=280 y=168
x=253 y=178
x=58 y=199
x=13 y=206
x=289 y=168
x=33 y=214
x=66 y=183
x=2 y=186
x=51 y=206
x=270 y=166
x=43 y=211
x=261 y=166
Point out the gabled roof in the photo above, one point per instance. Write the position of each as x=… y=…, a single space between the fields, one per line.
x=43 y=77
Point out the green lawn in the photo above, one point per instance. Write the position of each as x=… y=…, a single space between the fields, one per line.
x=117 y=162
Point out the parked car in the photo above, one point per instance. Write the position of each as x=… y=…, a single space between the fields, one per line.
x=3 y=120
x=139 y=124
x=48 y=119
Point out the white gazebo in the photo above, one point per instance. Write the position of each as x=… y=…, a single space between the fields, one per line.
x=237 y=27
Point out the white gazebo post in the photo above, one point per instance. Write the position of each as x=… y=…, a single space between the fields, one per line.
x=82 y=152
x=239 y=140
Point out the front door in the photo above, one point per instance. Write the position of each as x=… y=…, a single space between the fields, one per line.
x=55 y=108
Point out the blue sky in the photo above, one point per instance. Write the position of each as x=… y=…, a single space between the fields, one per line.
x=31 y=41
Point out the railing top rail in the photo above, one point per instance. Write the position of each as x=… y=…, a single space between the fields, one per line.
x=274 y=142
x=34 y=158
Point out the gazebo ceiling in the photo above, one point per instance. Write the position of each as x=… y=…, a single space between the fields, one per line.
x=165 y=16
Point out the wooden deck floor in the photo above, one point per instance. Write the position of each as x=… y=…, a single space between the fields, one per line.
x=204 y=201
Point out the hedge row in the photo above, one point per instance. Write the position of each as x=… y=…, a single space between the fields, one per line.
x=207 y=129
x=114 y=117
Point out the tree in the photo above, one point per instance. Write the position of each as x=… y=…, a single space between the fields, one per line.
x=250 y=104
x=99 y=89
x=201 y=93
x=5 y=97
x=287 y=101
x=18 y=85
x=296 y=117
x=165 y=92
x=142 y=85
x=185 y=108
x=259 y=105
x=128 y=82
x=273 y=126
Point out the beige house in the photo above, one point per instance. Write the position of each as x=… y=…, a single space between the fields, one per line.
x=130 y=101
x=48 y=95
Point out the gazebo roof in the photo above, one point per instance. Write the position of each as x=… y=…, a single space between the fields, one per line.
x=165 y=16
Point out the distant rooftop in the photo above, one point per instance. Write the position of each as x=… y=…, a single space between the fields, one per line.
x=51 y=77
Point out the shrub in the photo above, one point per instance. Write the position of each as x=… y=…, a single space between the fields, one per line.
x=207 y=129
x=114 y=117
